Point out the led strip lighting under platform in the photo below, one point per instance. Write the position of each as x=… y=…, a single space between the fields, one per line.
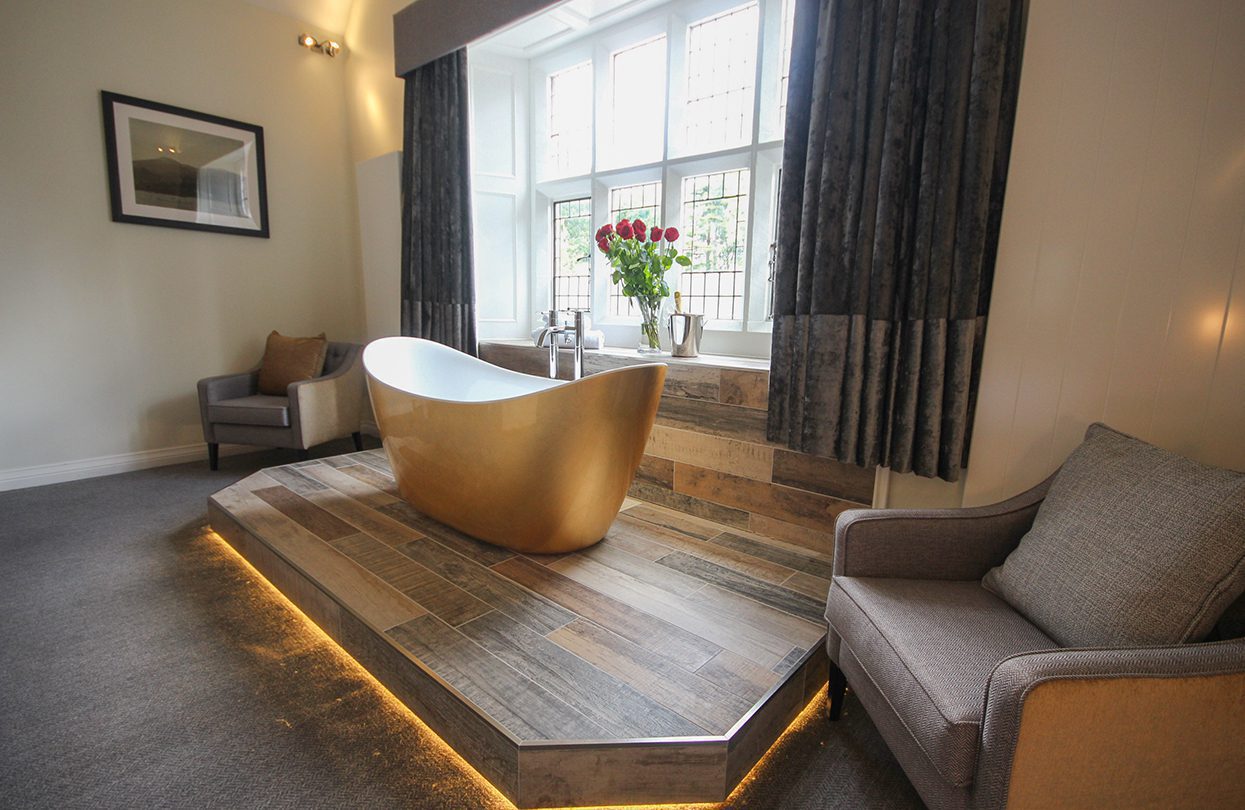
x=657 y=666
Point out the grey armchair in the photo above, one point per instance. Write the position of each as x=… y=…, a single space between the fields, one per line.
x=313 y=411
x=983 y=710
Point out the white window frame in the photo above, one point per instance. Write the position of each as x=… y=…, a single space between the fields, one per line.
x=748 y=336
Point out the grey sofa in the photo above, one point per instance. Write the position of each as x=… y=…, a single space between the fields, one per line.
x=983 y=710
x=313 y=411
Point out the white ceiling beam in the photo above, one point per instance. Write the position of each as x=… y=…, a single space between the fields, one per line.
x=429 y=29
x=569 y=17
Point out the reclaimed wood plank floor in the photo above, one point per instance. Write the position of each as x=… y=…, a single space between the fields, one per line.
x=672 y=627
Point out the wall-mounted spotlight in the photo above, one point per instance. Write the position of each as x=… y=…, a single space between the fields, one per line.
x=328 y=47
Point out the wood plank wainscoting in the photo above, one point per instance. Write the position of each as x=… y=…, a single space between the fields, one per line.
x=707 y=455
x=657 y=666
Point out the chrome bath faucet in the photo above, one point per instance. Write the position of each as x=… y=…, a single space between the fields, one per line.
x=550 y=333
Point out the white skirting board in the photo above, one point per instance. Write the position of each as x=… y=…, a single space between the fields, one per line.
x=40 y=474
x=61 y=471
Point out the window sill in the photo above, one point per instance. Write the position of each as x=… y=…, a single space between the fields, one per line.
x=703 y=361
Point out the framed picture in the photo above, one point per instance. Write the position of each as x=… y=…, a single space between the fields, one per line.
x=183 y=169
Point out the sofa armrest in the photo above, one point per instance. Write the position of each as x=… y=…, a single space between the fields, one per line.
x=1152 y=726
x=331 y=406
x=225 y=386
x=932 y=543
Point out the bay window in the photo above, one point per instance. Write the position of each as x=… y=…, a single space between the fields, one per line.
x=670 y=113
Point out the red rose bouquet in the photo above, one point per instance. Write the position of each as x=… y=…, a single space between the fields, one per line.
x=640 y=257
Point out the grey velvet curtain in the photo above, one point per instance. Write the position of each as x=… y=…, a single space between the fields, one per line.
x=897 y=138
x=438 y=286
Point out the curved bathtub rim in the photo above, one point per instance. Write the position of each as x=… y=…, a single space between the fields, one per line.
x=556 y=383
x=470 y=360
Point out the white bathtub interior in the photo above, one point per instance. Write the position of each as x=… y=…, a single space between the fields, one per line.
x=428 y=369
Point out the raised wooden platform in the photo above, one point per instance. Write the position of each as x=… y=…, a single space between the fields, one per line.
x=656 y=666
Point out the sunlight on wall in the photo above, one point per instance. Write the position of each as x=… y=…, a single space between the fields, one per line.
x=1214 y=325
x=373 y=92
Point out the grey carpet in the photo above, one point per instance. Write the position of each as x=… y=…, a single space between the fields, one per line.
x=142 y=665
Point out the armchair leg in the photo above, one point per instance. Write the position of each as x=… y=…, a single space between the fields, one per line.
x=213 y=456
x=303 y=454
x=358 y=440
x=837 y=691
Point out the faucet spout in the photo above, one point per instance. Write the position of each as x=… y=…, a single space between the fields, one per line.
x=550 y=333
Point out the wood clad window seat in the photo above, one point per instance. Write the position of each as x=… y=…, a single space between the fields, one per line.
x=656 y=666
x=708 y=456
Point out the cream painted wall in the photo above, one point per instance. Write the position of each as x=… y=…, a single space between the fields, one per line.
x=107 y=326
x=374 y=93
x=1120 y=287
x=380 y=231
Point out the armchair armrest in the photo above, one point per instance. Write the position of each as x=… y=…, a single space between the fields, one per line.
x=1153 y=726
x=229 y=386
x=331 y=406
x=932 y=543
x=225 y=386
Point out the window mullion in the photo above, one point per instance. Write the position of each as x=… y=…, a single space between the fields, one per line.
x=753 y=226
x=669 y=96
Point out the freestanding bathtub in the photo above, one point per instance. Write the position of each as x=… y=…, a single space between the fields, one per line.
x=532 y=464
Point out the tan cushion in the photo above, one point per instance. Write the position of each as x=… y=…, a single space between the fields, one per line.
x=289 y=360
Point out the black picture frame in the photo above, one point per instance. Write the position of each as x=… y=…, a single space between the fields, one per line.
x=177 y=168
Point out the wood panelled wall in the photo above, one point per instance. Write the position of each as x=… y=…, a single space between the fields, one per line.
x=1119 y=291
x=707 y=455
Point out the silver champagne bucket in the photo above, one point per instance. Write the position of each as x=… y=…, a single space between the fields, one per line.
x=685 y=332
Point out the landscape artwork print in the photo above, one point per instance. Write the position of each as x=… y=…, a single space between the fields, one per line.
x=178 y=168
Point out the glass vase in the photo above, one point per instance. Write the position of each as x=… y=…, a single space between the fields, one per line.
x=650 y=325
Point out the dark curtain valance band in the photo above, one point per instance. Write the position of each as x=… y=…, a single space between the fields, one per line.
x=438 y=286
x=898 y=130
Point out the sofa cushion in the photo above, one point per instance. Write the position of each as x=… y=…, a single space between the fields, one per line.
x=929 y=647
x=289 y=360
x=1133 y=546
x=261 y=410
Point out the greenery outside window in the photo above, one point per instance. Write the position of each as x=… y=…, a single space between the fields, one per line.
x=673 y=116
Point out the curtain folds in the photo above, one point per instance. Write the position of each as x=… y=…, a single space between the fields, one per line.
x=438 y=285
x=899 y=122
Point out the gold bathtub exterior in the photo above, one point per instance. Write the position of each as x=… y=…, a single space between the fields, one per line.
x=542 y=473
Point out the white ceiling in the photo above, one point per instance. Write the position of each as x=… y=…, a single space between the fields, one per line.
x=326 y=16
x=562 y=23
x=528 y=38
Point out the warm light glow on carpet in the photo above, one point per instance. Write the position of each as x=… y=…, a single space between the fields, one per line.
x=443 y=749
x=814 y=709
x=809 y=714
x=445 y=752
